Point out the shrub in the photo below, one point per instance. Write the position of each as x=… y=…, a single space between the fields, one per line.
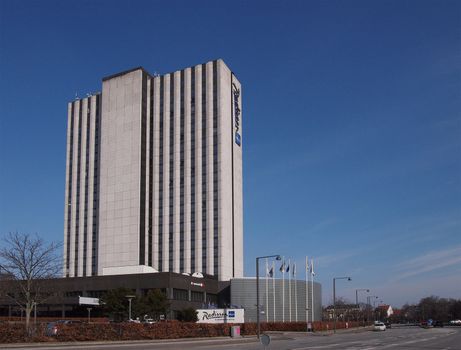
x=15 y=333
x=188 y=315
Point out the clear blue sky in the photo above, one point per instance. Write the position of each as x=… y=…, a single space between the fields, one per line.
x=352 y=123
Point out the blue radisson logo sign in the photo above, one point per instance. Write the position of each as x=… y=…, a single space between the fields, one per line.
x=236 y=96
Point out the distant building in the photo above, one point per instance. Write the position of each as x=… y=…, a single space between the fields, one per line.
x=343 y=312
x=385 y=311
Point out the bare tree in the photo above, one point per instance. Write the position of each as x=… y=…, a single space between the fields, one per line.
x=26 y=261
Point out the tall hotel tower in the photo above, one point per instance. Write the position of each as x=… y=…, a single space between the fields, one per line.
x=154 y=175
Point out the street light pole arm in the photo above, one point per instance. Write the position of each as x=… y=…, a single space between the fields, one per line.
x=334 y=298
x=269 y=256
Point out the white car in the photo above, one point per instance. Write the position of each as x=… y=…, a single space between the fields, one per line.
x=456 y=322
x=379 y=326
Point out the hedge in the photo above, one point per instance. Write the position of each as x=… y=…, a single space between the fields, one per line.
x=15 y=333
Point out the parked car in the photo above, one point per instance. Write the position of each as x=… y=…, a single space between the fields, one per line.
x=437 y=324
x=52 y=328
x=455 y=322
x=424 y=324
x=379 y=326
x=148 y=320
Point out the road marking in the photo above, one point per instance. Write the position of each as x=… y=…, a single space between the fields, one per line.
x=399 y=344
x=316 y=347
x=227 y=344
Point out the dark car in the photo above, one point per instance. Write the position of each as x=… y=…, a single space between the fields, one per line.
x=437 y=324
x=388 y=324
x=52 y=328
x=424 y=324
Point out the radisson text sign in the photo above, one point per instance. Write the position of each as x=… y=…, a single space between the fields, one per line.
x=236 y=105
x=220 y=316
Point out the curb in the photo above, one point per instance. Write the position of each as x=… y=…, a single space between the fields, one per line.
x=119 y=342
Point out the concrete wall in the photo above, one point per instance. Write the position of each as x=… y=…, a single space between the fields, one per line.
x=120 y=171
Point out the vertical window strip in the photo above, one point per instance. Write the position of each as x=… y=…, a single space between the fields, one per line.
x=69 y=188
x=151 y=171
x=142 y=195
x=192 y=177
x=215 y=169
x=171 y=184
x=87 y=164
x=160 y=174
x=77 y=221
x=181 y=177
x=97 y=149
x=204 y=171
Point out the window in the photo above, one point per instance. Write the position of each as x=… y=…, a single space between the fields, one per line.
x=196 y=296
x=180 y=294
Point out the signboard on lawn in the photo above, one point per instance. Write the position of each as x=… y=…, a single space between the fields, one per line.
x=220 y=316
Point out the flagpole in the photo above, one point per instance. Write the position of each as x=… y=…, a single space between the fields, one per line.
x=283 y=290
x=267 y=291
x=307 y=291
x=296 y=293
x=289 y=287
x=273 y=285
x=312 y=287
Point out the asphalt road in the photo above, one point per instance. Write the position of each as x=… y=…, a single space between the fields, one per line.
x=405 y=338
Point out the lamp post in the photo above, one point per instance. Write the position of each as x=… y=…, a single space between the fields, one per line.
x=129 y=297
x=374 y=308
x=357 y=297
x=334 y=298
x=277 y=257
x=357 y=294
x=369 y=299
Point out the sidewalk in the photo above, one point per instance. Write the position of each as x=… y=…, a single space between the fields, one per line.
x=247 y=339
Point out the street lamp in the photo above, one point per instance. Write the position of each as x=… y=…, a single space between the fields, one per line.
x=89 y=314
x=369 y=300
x=334 y=298
x=277 y=257
x=357 y=295
x=130 y=297
x=357 y=302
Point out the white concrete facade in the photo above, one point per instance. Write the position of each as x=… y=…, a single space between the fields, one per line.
x=166 y=192
x=81 y=194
